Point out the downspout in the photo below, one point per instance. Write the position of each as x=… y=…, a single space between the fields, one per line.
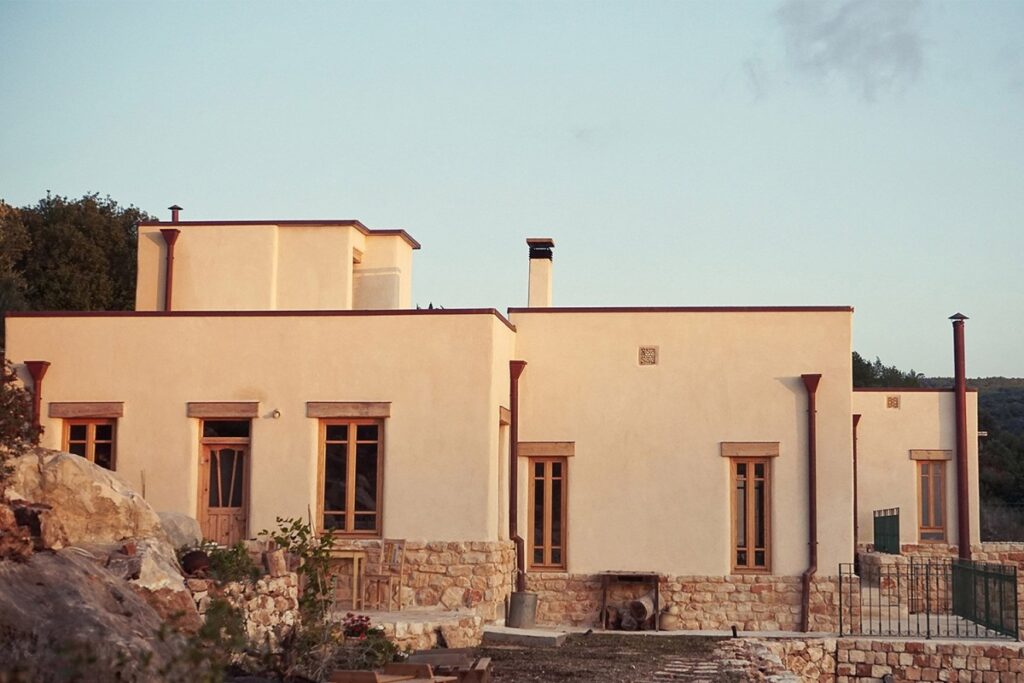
x=515 y=369
x=963 y=512
x=811 y=385
x=37 y=369
x=856 y=519
x=170 y=237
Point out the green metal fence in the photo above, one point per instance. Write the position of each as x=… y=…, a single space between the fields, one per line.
x=986 y=594
x=887 y=531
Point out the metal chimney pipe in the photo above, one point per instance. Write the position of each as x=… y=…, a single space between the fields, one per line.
x=174 y=212
x=963 y=505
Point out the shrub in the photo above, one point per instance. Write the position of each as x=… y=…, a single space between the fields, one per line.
x=298 y=538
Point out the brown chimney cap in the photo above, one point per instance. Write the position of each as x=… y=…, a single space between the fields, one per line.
x=541 y=242
x=958 y=316
x=174 y=207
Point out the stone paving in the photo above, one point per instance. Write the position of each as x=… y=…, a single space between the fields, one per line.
x=731 y=662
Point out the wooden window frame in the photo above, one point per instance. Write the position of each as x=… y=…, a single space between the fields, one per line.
x=90 y=424
x=734 y=548
x=350 y=531
x=548 y=479
x=938 y=503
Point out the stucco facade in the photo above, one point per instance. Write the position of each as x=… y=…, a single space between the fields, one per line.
x=668 y=440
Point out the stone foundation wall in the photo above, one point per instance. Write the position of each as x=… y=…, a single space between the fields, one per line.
x=812 y=659
x=269 y=606
x=446 y=574
x=751 y=602
x=455 y=632
x=870 y=660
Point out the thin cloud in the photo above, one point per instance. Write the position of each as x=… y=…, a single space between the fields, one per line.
x=874 y=45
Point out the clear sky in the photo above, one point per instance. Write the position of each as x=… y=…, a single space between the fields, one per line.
x=858 y=152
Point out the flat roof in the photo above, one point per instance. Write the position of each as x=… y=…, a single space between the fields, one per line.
x=294 y=223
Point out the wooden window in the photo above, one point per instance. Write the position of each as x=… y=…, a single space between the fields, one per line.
x=931 y=496
x=547 y=505
x=751 y=513
x=93 y=439
x=351 y=476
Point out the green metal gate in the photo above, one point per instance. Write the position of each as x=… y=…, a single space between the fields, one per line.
x=986 y=594
x=887 y=531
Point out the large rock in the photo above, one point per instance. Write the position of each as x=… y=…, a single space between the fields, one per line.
x=64 y=617
x=93 y=510
x=92 y=504
x=182 y=530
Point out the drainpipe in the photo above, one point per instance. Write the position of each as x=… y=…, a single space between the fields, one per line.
x=37 y=369
x=515 y=369
x=170 y=237
x=963 y=513
x=856 y=519
x=811 y=385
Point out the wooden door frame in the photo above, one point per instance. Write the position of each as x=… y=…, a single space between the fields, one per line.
x=202 y=501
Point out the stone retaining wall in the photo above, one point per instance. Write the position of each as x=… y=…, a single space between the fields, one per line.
x=870 y=660
x=269 y=605
x=751 y=602
x=465 y=630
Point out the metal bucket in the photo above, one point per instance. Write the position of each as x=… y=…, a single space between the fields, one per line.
x=522 y=610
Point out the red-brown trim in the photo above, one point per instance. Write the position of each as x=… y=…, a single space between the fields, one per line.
x=811 y=385
x=856 y=522
x=298 y=223
x=260 y=314
x=687 y=309
x=963 y=513
x=170 y=237
x=37 y=370
x=223 y=410
x=515 y=369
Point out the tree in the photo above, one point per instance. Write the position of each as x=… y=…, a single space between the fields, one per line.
x=868 y=374
x=68 y=254
x=16 y=429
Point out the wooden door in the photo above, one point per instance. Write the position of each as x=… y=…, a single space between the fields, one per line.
x=224 y=498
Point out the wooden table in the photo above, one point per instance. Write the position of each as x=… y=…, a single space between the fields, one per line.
x=358 y=558
x=610 y=577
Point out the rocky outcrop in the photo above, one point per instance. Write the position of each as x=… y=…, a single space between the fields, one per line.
x=90 y=504
x=69 y=502
x=182 y=531
x=65 y=617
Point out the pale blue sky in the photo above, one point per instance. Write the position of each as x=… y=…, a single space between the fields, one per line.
x=858 y=153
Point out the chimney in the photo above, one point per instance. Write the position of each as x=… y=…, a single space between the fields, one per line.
x=174 y=212
x=540 y=271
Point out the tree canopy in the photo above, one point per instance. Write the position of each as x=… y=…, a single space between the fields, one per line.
x=877 y=374
x=65 y=254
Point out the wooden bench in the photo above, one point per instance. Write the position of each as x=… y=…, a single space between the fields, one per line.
x=393 y=673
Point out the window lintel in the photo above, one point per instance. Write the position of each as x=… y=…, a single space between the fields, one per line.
x=750 y=449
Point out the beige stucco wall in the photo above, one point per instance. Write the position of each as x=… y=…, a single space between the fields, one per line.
x=436 y=369
x=887 y=477
x=271 y=267
x=648 y=488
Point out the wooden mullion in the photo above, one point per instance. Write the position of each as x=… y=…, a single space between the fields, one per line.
x=350 y=479
x=547 y=512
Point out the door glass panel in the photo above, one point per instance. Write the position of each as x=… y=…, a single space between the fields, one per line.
x=740 y=508
x=227 y=428
x=759 y=514
x=104 y=455
x=337 y=432
x=226 y=459
x=214 y=480
x=556 y=513
x=335 y=465
x=366 y=477
x=366 y=432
